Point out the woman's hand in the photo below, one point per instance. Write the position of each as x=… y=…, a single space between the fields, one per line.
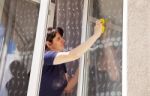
x=72 y=83
x=68 y=90
x=98 y=28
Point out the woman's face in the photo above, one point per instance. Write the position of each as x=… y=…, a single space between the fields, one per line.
x=57 y=43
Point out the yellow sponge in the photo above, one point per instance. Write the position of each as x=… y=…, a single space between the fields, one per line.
x=103 y=21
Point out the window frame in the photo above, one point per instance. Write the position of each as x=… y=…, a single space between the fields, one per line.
x=37 y=61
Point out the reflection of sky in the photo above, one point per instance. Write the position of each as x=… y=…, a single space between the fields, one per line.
x=1 y=30
x=11 y=47
x=1 y=36
x=10 y=57
x=7 y=74
x=11 y=44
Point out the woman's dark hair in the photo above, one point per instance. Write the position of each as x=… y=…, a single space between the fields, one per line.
x=52 y=33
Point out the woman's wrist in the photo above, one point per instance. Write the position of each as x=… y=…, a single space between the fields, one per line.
x=97 y=35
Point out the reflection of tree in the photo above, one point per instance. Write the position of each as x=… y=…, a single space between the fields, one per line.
x=18 y=84
x=19 y=19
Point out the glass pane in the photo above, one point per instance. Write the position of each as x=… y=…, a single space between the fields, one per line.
x=17 y=31
x=68 y=16
x=104 y=59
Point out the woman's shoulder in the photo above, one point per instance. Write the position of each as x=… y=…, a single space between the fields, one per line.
x=50 y=52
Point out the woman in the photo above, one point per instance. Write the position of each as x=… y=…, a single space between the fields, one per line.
x=54 y=80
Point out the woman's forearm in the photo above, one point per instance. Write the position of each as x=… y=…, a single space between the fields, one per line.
x=73 y=81
x=76 y=53
x=82 y=48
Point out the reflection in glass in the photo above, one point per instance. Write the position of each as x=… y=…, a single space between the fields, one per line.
x=104 y=59
x=17 y=32
x=1 y=38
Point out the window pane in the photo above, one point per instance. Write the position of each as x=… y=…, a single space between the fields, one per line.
x=17 y=31
x=68 y=16
x=104 y=59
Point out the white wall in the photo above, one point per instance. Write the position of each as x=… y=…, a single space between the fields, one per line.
x=138 y=48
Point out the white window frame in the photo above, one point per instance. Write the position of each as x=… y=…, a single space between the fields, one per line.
x=124 y=49
x=37 y=61
x=81 y=88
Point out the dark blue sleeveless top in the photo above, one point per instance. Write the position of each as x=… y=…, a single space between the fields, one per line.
x=53 y=79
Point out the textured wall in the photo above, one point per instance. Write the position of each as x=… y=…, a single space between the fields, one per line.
x=138 y=48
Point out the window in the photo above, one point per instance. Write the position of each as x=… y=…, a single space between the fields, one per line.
x=101 y=73
x=18 y=23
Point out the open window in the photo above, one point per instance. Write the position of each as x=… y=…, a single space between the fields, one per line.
x=23 y=25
